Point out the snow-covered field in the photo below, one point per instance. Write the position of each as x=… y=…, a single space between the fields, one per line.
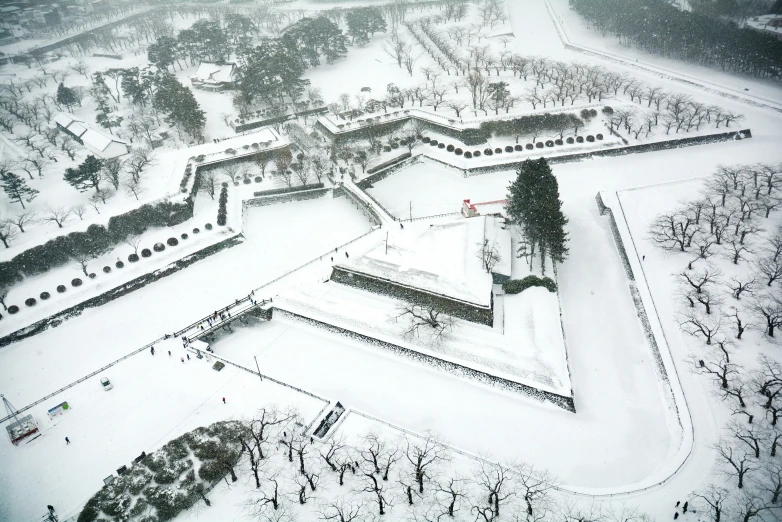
x=626 y=434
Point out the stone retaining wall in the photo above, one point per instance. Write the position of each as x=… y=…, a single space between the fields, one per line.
x=461 y=309
x=296 y=195
x=453 y=368
x=639 y=305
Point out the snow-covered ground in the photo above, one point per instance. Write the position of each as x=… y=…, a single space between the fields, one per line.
x=625 y=434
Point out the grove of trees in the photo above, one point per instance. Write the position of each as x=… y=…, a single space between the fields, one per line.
x=662 y=28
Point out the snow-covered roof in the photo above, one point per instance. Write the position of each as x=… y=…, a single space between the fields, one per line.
x=209 y=72
x=442 y=260
x=64 y=119
x=77 y=128
x=98 y=140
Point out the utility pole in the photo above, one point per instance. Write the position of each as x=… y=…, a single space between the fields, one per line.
x=411 y=211
x=386 y=242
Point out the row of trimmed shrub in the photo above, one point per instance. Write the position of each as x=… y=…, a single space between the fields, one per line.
x=488 y=151
x=97 y=238
x=515 y=286
x=76 y=281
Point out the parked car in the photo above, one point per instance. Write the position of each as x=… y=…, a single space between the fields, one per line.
x=106 y=383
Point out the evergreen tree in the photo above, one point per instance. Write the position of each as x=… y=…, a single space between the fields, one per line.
x=534 y=204
x=313 y=37
x=16 y=188
x=104 y=115
x=66 y=96
x=87 y=175
x=135 y=86
x=179 y=105
x=163 y=52
x=211 y=40
x=271 y=70
x=364 y=22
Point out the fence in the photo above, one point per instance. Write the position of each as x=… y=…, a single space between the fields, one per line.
x=262 y=376
x=88 y=376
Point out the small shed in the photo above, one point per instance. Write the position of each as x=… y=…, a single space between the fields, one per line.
x=213 y=76
x=497 y=208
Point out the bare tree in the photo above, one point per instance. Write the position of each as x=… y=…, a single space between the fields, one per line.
x=409 y=59
x=717 y=365
x=737 y=463
x=423 y=454
x=433 y=321
x=674 y=230
x=376 y=487
x=769 y=480
x=768 y=309
x=133 y=187
x=767 y=381
x=739 y=286
x=79 y=210
x=57 y=215
x=342 y=510
x=102 y=194
x=80 y=68
x=752 y=435
x=716 y=498
x=497 y=482
x=489 y=255
x=209 y=183
x=380 y=454
x=303 y=175
x=134 y=242
x=750 y=504
x=27 y=217
x=7 y=233
x=287 y=177
x=770 y=268
x=535 y=486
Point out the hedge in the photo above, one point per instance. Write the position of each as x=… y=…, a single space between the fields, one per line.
x=515 y=286
x=388 y=163
x=97 y=238
x=531 y=124
x=221 y=210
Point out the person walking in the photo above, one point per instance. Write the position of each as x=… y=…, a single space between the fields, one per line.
x=152 y=350
x=169 y=353
x=188 y=356
x=182 y=359
x=346 y=255
x=401 y=225
x=67 y=441
x=223 y=400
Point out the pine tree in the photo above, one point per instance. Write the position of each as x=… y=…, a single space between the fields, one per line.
x=534 y=204
x=65 y=96
x=104 y=117
x=17 y=189
x=87 y=175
